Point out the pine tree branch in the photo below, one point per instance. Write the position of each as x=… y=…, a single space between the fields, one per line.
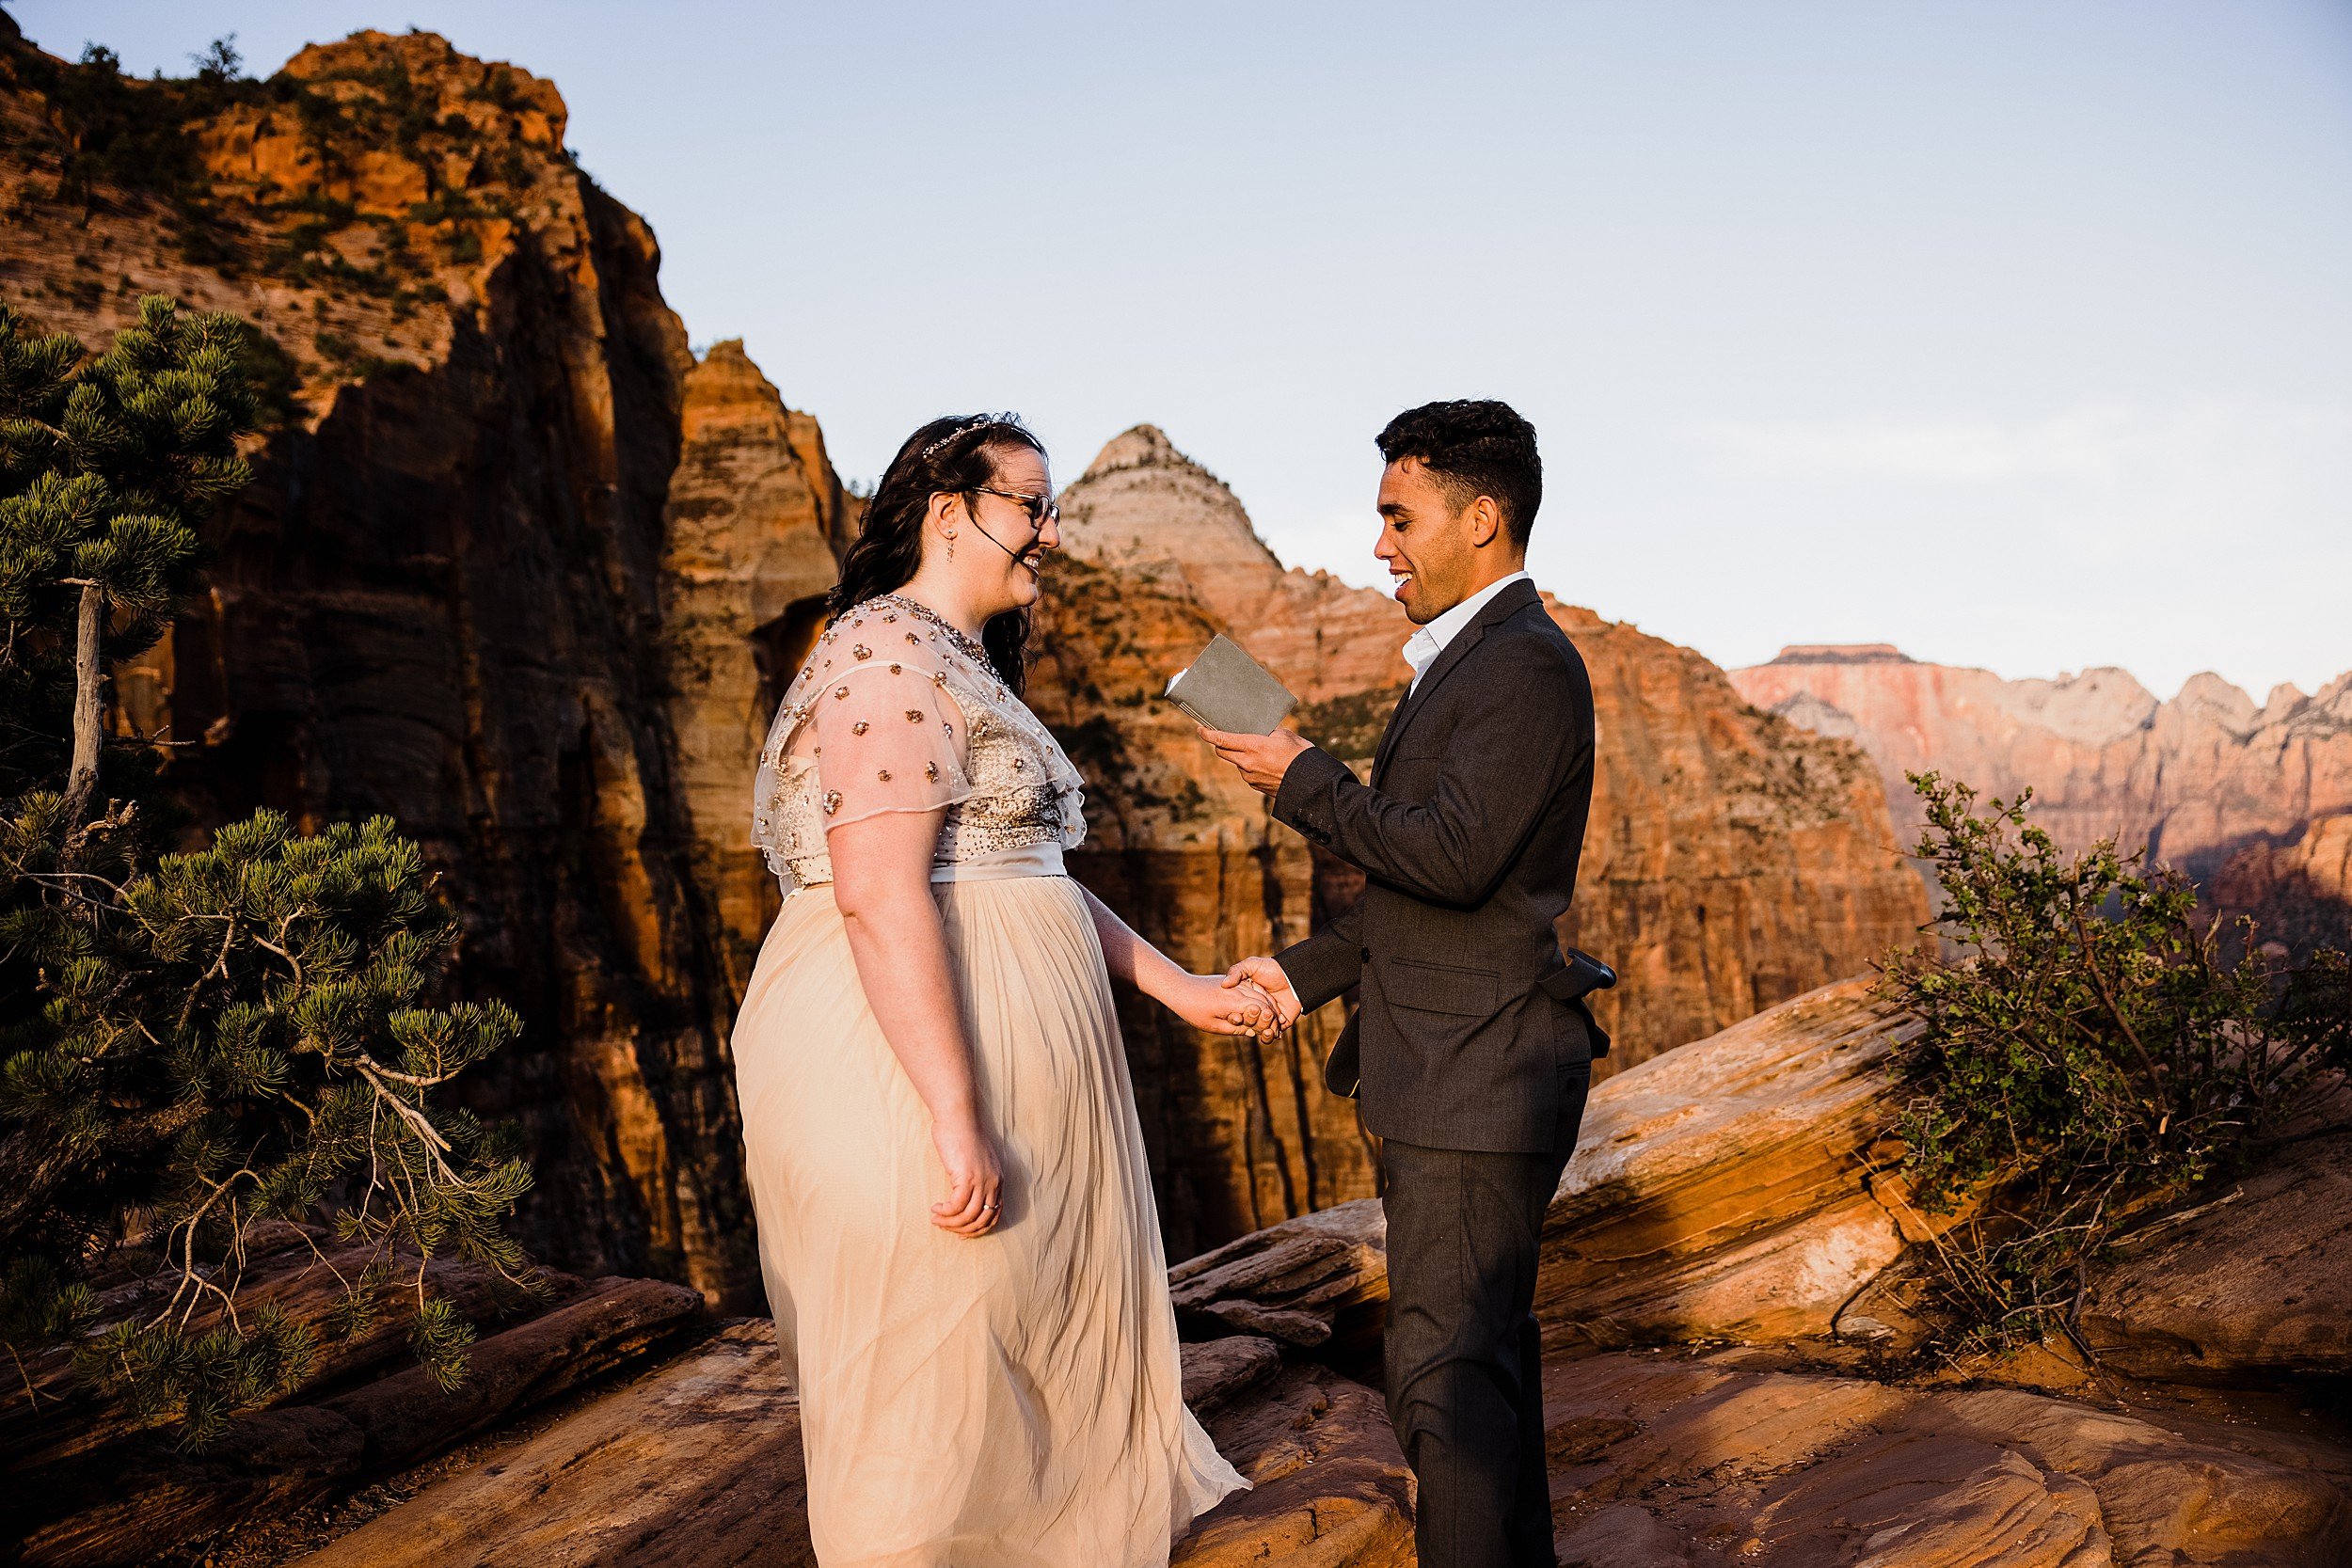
x=427 y=1134
x=368 y=1064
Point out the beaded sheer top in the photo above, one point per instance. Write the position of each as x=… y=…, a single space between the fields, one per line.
x=895 y=709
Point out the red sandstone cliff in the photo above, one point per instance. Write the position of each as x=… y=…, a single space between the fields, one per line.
x=2250 y=801
x=1732 y=861
x=519 y=571
x=755 y=524
x=443 y=596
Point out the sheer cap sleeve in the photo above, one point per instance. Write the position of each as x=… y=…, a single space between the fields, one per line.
x=867 y=725
x=885 y=736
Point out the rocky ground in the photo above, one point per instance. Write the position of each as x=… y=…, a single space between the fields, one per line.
x=1724 y=1293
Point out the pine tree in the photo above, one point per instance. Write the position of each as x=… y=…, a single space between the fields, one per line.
x=105 y=469
x=192 y=1044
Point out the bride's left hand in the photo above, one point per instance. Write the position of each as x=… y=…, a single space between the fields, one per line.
x=1205 y=1002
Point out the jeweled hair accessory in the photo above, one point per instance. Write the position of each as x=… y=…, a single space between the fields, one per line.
x=977 y=421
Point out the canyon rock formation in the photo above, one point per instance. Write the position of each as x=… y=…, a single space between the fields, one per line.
x=2253 y=802
x=755 y=526
x=520 y=571
x=1732 y=861
x=443 y=597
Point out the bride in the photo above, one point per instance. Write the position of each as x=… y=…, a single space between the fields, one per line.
x=955 y=1219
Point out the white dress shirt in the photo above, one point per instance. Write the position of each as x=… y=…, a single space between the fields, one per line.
x=1422 y=648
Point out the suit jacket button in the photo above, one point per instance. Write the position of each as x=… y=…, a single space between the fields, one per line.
x=1364 y=953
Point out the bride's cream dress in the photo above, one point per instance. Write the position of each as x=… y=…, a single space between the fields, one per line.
x=1013 y=1398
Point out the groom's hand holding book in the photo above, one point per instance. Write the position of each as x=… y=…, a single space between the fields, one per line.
x=1261 y=758
x=1240 y=707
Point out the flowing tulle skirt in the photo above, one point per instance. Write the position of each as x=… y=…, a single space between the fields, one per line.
x=1011 y=1400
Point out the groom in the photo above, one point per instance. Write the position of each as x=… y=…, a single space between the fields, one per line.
x=1473 y=1072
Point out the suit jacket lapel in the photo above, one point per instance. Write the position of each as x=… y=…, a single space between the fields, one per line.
x=1517 y=596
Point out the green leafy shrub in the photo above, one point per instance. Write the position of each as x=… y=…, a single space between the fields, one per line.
x=2095 y=1051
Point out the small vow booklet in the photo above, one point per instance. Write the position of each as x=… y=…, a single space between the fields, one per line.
x=1227 y=689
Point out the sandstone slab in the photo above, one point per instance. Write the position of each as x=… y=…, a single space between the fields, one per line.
x=1298 y=1282
x=1666 y=1460
x=1329 y=1486
x=1220 y=1371
x=406 y=1417
x=1726 y=1190
x=49 y=1419
x=91 y=1485
x=2253 y=1286
x=698 y=1464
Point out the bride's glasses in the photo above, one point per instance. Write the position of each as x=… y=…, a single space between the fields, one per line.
x=1041 y=509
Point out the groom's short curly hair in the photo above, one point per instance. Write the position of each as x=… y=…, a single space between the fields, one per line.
x=1474 y=447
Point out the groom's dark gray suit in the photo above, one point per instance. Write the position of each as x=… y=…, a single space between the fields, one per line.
x=1473 y=1072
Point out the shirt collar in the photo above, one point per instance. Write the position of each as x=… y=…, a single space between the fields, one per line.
x=1427 y=642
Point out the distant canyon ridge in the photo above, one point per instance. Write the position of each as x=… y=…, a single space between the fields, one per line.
x=520 y=569
x=2251 y=802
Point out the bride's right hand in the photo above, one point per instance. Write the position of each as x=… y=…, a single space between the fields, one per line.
x=976 y=1178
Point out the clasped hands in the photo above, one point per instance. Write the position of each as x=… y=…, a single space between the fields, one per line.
x=1254 y=997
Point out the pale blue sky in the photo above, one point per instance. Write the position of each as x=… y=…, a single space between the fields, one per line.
x=2018 y=334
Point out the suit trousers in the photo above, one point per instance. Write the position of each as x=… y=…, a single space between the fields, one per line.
x=1462 y=1354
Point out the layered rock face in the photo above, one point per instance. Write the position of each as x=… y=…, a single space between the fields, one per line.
x=1732 y=861
x=448 y=594
x=1148 y=510
x=519 y=571
x=2250 y=802
x=755 y=526
x=1241 y=1135
x=2300 y=892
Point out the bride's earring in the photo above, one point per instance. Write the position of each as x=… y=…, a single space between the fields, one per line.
x=951 y=544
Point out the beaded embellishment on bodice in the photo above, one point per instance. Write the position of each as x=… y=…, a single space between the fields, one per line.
x=969 y=744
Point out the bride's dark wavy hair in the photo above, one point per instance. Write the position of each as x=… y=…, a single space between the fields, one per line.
x=956 y=455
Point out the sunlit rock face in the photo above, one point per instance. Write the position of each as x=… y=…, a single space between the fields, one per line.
x=1147 y=509
x=2250 y=801
x=1733 y=861
x=521 y=571
x=756 y=523
x=445 y=596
